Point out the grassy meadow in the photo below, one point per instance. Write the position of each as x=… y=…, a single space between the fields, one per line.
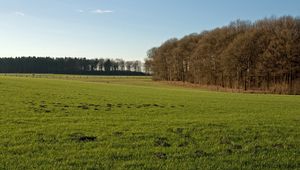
x=90 y=122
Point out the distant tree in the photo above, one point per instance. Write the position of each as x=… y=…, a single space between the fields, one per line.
x=94 y=64
x=128 y=65
x=148 y=66
x=137 y=66
x=121 y=64
x=108 y=65
x=101 y=64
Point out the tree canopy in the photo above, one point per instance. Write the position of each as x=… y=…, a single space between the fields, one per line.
x=69 y=65
x=264 y=55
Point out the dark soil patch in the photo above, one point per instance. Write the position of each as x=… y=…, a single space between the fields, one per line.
x=278 y=146
x=79 y=137
x=161 y=142
x=118 y=133
x=87 y=138
x=43 y=106
x=84 y=107
x=183 y=144
x=146 y=105
x=228 y=151
x=161 y=155
x=200 y=153
x=110 y=106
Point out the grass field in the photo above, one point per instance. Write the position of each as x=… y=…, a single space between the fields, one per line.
x=80 y=122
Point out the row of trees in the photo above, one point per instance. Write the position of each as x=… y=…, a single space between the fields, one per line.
x=68 y=65
x=264 y=55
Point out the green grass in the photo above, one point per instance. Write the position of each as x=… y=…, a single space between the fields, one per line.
x=74 y=122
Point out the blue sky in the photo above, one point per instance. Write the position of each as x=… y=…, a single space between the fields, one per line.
x=118 y=28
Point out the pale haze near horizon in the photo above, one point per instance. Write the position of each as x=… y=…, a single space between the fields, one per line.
x=118 y=28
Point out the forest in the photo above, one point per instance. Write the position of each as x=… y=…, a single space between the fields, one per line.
x=261 y=56
x=69 y=65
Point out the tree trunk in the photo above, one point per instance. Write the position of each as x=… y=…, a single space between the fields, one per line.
x=245 y=82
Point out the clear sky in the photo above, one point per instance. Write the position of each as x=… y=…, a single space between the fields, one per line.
x=118 y=28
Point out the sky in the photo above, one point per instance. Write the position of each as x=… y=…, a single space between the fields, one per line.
x=118 y=28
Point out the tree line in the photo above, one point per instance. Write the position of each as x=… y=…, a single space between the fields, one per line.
x=263 y=55
x=69 y=65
